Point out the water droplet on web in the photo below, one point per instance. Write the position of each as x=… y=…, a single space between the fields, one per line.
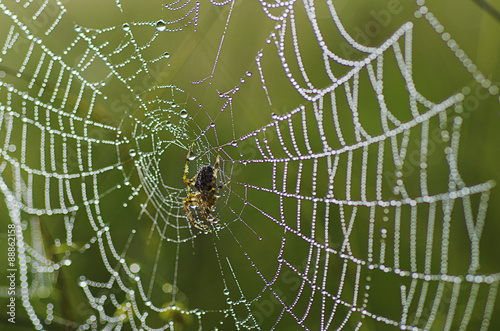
x=78 y=28
x=248 y=73
x=132 y=153
x=161 y=25
x=183 y=113
x=126 y=27
x=168 y=123
x=226 y=291
x=166 y=55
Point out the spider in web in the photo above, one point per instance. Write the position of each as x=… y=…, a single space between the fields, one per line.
x=206 y=192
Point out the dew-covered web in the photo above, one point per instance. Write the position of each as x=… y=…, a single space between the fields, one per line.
x=346 y=206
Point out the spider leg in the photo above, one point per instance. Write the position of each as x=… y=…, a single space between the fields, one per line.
x=188 y=201
x=186 y=167
x=222 y=185
x=207 y=215
x=216 y=170
x=216 y=167
x=206 y=211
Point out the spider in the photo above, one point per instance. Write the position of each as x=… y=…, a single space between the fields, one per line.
x=206 y=194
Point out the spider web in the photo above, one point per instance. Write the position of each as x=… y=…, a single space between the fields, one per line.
x=347 y=208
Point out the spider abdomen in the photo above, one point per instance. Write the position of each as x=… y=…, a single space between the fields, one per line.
x=204 y=179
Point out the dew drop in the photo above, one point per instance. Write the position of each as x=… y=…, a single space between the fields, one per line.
x=126 y=27
x=161 y=25
x=248 y=73
x=166 y=55
x=183 y=113
x=192 y=156
x=78 y=28
x=132 y=153
x=226 y=291
x=168 y=123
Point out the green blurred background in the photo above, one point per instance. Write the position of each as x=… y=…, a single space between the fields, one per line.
x=233 y=35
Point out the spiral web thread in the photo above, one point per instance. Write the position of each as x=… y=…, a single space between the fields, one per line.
x=342 y=246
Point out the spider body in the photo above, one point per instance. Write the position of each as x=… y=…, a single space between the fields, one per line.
x=204 y=179
x=203 y=192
